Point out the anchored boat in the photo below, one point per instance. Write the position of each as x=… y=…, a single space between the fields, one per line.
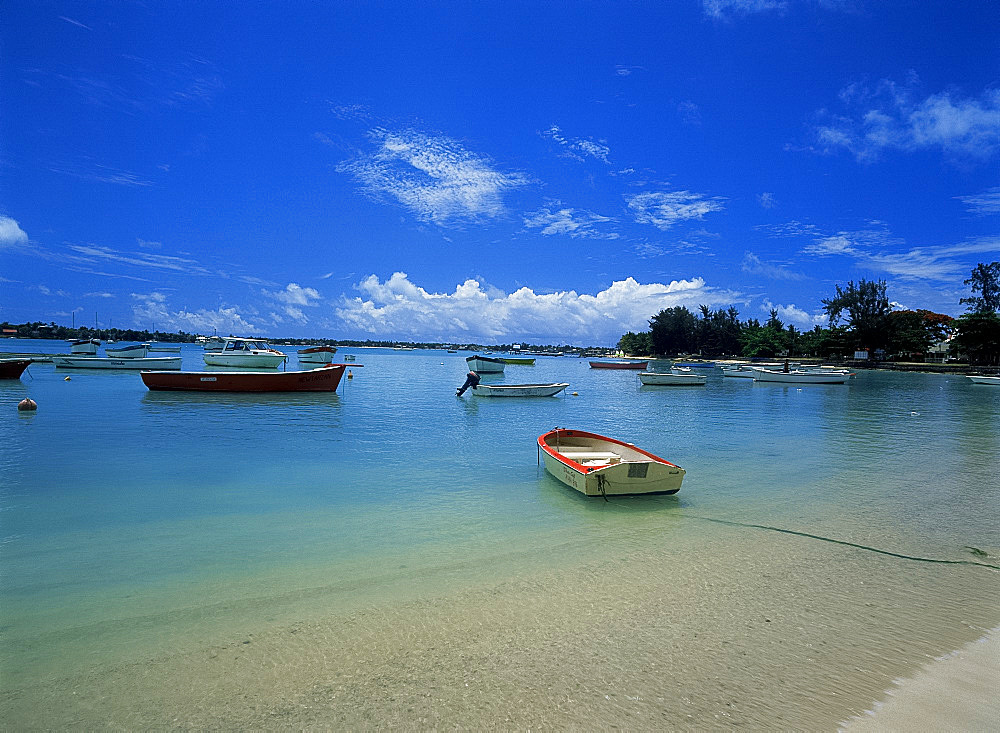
x=619 y=364
x=596 y=465
x=323 y=379
x=244 y=352
x=317 y=355
x=485 y=364
x=519 y=390
x=13 y=368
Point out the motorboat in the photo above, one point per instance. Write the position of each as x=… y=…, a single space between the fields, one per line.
x=527 y=361
x=13 y=368
x=485 y=364
x=324 y=379
x=210 y=343
x=519 y=390
x=245 y=352
x=674 y=378
x=132 y=351
x=741 y=371
x=165 y=348
x=84 y=346
x=641 y=365
x=697 y=364
x=596 y=465
x=107 y=362
x=801 y=376
x=984 y=379
x=317 y=355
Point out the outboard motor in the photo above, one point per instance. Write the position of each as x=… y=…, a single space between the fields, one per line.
x=470 y=381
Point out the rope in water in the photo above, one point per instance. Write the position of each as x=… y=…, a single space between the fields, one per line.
x=848 y=544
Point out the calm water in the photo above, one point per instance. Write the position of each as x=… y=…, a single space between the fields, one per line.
x=136 y=522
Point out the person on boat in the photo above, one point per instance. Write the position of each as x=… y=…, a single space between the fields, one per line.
x=471 y=380
x=785 y=368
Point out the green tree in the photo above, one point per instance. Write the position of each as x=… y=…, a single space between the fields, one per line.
x=985 y=280
x=912 y=333
x=637 y=344
x=673 y=331
x=867 y=308
x=978 y=337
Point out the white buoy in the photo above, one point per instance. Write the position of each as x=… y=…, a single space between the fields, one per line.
x=67 y=379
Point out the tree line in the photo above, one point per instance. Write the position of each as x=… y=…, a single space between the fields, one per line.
x=860 y=318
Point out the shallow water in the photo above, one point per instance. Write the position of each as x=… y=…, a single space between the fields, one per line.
x=140 y=530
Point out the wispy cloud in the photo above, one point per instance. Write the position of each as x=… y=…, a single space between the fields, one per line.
x=99 y=295
x=75 y=22
x=879 y=250
x=766 y=200
x=726 y=8
x=11 y=233
x=755 y=266
x=92 y=253
x=398 y=308
x=791 y=313
x=666 y=208
x=569 y=222
x=889 y=116
x=435 y=177
x=578 y=148
x=985 y=203
x=101 y=174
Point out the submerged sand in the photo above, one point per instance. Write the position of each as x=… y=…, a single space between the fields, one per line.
x=749 y=630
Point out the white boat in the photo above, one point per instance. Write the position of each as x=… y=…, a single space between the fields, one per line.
x=740 y=371
x=599 y=466
x=106 y=362
x=519 y=390
x=983 y=379
x=673 y=378
x=165 y=348
x=133 y=351
x=84 y=346
x=801 y=376
x=210 y=343
x=485 y=364
x=245 y=352
x=317 y=354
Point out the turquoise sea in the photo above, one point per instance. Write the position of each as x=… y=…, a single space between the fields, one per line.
x=354 y=559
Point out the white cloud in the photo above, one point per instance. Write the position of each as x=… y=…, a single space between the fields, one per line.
x=880 y=251
x=793 y=314
x=665 y=208
x=92 y=254
x=766 y=200
x=724 y=8
x=152 y=308
x=985 y=203
x=570 y=222
x=755 y=266
x=886 y=116
x=435 y=177
x=398 y=308
x=578 y=148
x=292 y=299
x=98 y=295
x=11 y=234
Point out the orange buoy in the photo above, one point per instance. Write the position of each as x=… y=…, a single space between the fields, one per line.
x=349 y=375
x=27 y=404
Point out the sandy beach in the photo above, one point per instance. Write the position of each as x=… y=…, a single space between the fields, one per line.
x=649 y=636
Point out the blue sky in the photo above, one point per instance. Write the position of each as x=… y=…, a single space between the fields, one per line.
x=548 y=172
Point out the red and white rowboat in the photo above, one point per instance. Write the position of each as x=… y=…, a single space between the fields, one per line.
x=619 y=365
x=599 y=466
x=323 y=379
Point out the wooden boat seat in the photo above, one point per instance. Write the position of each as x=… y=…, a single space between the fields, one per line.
x=586 y=456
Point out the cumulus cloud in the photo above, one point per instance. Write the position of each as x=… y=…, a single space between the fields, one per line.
x=292 y=300
x=152 y=308
x=569 y=222
x=985 y=203
x=398 y=308
x=793 y=314
x=11 y=234
x=663 y=209
x=578 y=148
x=434 y=177
x=889 y=116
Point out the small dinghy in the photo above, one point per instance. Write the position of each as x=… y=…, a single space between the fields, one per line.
x=519 y=390
x=596 y=465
